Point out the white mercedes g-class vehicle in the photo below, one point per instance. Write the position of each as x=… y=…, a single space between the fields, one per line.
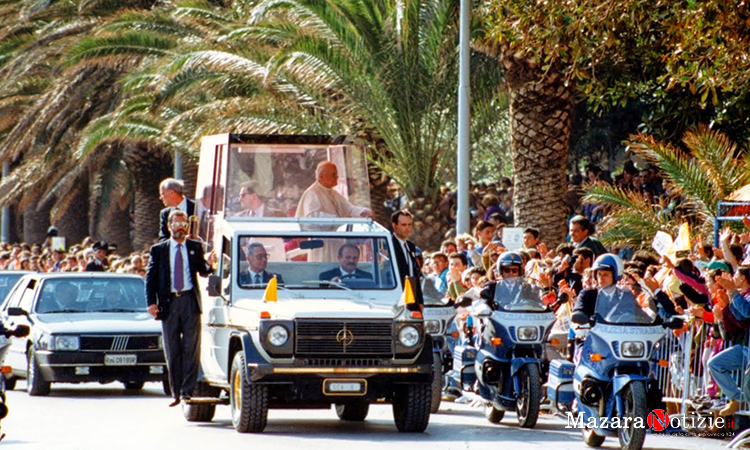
x=301 y=312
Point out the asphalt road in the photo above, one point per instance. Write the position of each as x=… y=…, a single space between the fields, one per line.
x=94 y=417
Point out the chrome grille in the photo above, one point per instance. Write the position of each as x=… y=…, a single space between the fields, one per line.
x=344 y=362
x=338 y=337
x=119 y=343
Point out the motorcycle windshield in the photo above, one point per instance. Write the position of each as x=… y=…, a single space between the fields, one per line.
x=619 y=306
x=515 y=295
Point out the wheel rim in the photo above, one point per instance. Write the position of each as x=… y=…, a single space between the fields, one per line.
x=629 y=408
x=237 y=391
x=521 y=403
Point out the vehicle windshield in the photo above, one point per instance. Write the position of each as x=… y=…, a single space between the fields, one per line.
x=313 y=262
x=430 y=293
x=79 y=295
x=7 y=281
x=619 y=306
x=513 y=294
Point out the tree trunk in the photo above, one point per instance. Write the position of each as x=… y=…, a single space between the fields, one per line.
x=379 y=194
x=148 y=167
x=72 y=224
x=189 y=175
x=540 y=122
x=36 y=222
x=115 y=228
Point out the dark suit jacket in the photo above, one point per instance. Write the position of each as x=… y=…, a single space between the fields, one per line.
x=245 y=279
x=159 y=273
x=94 y=267
x=164 y=233
x=403 y=267
x=329 y=275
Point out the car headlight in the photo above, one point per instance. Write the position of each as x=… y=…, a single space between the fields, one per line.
x=633 y=349
x=527 y=333
x=432 y=326
x=65 y=343
x=277 y=335
x=408 y=336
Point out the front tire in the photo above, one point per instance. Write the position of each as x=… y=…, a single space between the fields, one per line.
x=411 y=408
x=248 y=401
x=353 y=412
x=35 y=382
x=493 y=414
x=529 y=397
x=437 y=382
x=634 y=404
x=201 y=412
x=592 y=439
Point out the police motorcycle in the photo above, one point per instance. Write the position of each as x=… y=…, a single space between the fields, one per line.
x=614 y=381
x=509 y=341
x=5 y=342
x=438 y=321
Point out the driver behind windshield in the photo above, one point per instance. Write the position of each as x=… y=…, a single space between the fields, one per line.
x=348 y=258
x=64 y=299
x=608 y=269
x=509 y=267
x=256 y=274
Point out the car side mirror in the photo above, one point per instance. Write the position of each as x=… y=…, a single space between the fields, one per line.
x=674 y=323
x=214 y=285
x=16 y=311
x=21 y=331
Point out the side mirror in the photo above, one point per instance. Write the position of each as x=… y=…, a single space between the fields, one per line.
x=579 y=317
x=674 y=323
x=483 y=312
x=214 y=285
x=16 y=311
x=21 y=331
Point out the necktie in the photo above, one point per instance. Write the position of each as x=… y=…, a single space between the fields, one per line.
x=179 y=282
x=257 y=278
x=407 y=257
x=347 y=276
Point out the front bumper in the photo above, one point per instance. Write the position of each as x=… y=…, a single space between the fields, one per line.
x=71 y=367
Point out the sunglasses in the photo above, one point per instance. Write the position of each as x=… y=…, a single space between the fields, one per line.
x=180 y=224
x=510 y=270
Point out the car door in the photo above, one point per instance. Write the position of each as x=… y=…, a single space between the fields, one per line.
x=22 y=297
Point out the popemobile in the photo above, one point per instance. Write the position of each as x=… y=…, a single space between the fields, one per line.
x=284 y=324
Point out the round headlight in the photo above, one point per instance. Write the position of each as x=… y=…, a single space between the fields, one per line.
x=277 y=335
x=527 y=333
x=408 y=336
x=432 y=326
x=633 y=349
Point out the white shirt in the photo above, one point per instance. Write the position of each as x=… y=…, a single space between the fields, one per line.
x=187 y=280
x=320 y=201
x=407 y=255
x=198 y=207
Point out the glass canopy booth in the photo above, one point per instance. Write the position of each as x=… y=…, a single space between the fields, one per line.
x=279 y=168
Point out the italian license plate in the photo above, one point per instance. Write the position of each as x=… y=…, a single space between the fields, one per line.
x=120 y=360
x=344 y=387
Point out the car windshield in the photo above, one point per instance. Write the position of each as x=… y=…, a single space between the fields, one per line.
x=513 y=294
x=430 y=293
x=80 y=295
x=7 y=281
x=619 y=306
x=315 y=262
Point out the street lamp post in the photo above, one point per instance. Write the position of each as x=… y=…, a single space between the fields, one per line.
x=464 y=115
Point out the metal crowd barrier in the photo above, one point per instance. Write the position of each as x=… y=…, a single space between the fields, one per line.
x=680 y=366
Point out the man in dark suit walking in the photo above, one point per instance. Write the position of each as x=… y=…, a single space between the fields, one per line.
x=256 y=274
x=348 y=259
x=172 y=194
x=173 y=297
x=405 y=252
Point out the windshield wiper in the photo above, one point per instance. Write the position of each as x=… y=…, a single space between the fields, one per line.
x=117 y=310
x=62 y=311
x=334 y=284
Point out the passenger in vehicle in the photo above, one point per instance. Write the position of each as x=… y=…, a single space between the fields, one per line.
x=347 y=270
x=320 y=200
x=256 y=274
x=64 y=299
x=252 y=204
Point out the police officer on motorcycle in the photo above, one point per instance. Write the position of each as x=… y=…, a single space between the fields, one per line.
x=509 y=266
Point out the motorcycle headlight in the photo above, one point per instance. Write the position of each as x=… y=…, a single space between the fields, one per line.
x=432 y=326
x=277 y=335
x=67 y=343
x=632 y=349
x=527 y=333
x=408 y=336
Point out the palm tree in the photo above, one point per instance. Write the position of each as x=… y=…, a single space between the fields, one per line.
x=707 y=170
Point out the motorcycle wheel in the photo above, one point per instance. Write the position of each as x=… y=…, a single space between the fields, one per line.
x=592 y=439
x=634 y=404
x=493 y=414
x=529 y=397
